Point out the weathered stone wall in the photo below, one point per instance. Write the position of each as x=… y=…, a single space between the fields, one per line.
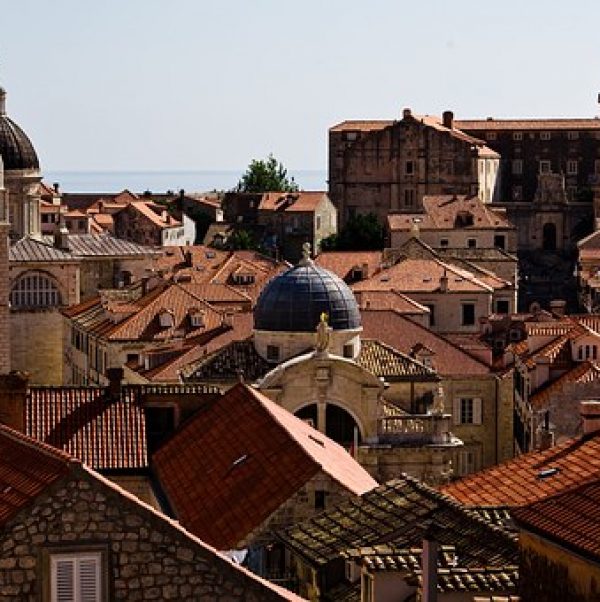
x=4 y=290
x=147 y=558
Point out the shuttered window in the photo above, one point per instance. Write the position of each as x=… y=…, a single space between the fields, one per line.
x=467 y=410
x=75 y=577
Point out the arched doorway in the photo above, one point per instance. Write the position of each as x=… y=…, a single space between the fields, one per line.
x=549 y=237
x=339 y=423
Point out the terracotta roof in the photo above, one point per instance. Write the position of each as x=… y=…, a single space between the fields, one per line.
x=532 y=476
x=343 y=262
x=27 y=468
x=528 y=124
x=238 y=461
x=403 y=334
x=400 y=513
x=585 y=372
x=503 y=580
x=363 y=125
x=395 y=300
x=291 y=202
x=154 y=213
x=227 y=363
x=570 y=519
x=389 y=363
x=441 y=213
x=423 y=276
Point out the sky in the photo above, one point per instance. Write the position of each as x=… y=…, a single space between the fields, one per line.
x=198 y=85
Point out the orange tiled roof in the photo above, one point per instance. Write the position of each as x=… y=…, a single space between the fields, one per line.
x=528 y=124
x=230 y=467
x=291 y=201
x=584 y=372
x=532 y=476
x=441 y=212
x=362 y=125
x=423 y=276
x=342 y=263
x=569 y=519
x=27 y=468
x=149 y=210
x=403 y=334
x=395 y=300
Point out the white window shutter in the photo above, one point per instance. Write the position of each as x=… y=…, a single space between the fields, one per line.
x=89 y=579
x=477 y=410
x=456 y=410
x=63 y=574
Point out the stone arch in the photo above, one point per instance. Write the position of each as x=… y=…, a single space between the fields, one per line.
x=35 y=289
x=339 y=421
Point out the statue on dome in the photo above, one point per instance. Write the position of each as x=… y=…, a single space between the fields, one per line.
x=323 y=334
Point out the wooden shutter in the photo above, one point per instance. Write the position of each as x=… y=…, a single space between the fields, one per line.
x=89 y=579
x=63 y=580
x=477 y=410
x=456 y=410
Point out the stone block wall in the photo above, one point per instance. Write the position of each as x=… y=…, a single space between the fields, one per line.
x=4 y=310
x=145 y=556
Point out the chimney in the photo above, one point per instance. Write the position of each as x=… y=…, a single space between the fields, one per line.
x=444 y=282
x=429 y=570
x=56 y=187
x=115 y=377
x=558 y=306
x=61 y=236
x=13 y=396
x=546 y=435
x=365 y=271
x=590 y=415
x=448 y=119
x=144 y=284
x=406 y=113
x=188 y=259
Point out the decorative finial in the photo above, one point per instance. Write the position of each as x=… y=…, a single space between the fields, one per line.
x=306 y=260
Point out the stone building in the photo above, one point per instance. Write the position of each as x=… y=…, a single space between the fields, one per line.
x=66 y=533
x=389 y=166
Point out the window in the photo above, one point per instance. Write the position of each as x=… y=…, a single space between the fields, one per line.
x=572 y=135
x=34 y=290
x=75 y=577
x=197 y=319
x=517 y=193
x=443 y=242
x=597 y=167
x=517 y=167
x=366 y=589
x=351 y=136
x=349 y=350
x=502 y=306
x=431 y=309
x=133 y=357
x=165 y=319
x=272 y=353
x=468 y=314
x=572 y=167
x=471 y=243
x=545 y=136
x=490 y=135
x=467 y=410
x=318 y=220
x=320 y=497
x=545 y=166
x=409 y=197
x=409 y=168
x=500 y=241
x=517 y=136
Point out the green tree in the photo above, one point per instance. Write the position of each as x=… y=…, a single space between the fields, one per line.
x=361 y=233
x=265 y=176
x=242 y=240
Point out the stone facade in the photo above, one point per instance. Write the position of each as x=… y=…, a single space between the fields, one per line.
x=386 y=167
x=5 y=334
x=144 y=555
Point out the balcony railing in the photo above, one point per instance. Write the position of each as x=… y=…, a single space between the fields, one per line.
x=415 y=429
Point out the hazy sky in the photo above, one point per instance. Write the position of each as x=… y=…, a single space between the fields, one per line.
x=189 y=84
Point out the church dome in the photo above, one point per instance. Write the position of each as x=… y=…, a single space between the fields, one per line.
x=295 y=300
x=15 y=147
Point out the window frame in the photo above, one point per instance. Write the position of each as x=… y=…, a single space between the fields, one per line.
x=271 y=356
x=572 y=167
x=468 y=410
x=463 y=317
x=34 y=289
x=543 y=163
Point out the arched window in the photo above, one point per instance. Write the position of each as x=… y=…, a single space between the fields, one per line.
x=34 y=290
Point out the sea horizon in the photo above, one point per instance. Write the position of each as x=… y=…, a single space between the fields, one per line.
x=111 y=181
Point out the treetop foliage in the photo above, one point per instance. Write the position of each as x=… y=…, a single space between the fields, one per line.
x=266 y=176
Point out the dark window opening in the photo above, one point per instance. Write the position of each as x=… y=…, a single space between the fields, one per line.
x=502 y=306
x=272 y=353
x=499 y=241
x=160 y=423
x=320 y=497
x=468 y=314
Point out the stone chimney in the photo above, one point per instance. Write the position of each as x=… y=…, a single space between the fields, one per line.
x=188 y=259
x=61 y=236
x=4 y=294
x=406 y=113
x=558 y=306
x=590 y=415
x=13 y=397
x=448 y=119
x=115 y=378
x=444 y=282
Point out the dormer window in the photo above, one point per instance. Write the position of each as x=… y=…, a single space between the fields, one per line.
x=243 y=278
x=197 y=318
x=463 y=219
x=165 y=319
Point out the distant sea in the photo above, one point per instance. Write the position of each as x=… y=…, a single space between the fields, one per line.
x=162 y=181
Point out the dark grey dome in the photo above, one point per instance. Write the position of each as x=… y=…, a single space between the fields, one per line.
x=15 y=147
x=295 y=300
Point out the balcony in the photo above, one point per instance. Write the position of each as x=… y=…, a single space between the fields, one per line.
x=415 y=430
